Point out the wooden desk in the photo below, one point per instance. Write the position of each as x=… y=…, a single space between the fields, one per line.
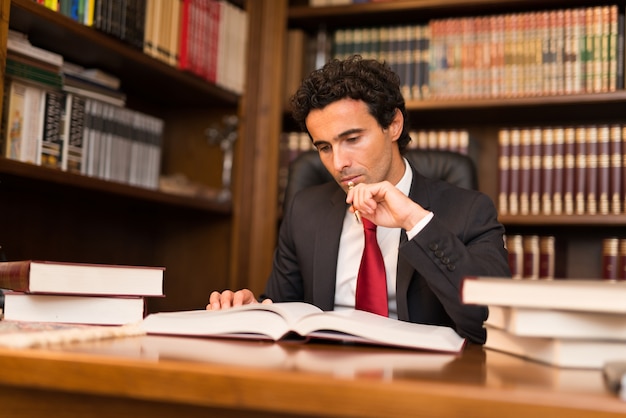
x=175 y=377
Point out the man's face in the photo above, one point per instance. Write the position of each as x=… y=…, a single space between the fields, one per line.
x=353 y=146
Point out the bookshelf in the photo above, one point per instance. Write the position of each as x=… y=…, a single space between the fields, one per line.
x=578 y=237
x=57 y=215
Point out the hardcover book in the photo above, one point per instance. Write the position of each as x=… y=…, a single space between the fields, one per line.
x=561 y=352
x=556 y=323
x=300 y=322
x=73 y=309
x=575 y=294
x=78 y=278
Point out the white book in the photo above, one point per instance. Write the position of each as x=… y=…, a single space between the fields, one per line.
x=302 y=321
x=570 y=294
x=535 y=322
x=71 y=309
x=560 y=352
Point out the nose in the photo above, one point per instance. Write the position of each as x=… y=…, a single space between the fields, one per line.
x=341 y=159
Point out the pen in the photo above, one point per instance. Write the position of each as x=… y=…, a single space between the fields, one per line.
x=357 y=215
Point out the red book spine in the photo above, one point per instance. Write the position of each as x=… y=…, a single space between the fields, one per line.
x=535 y=170
x=546 y=258
x=610 y=258
x=547 y=171
x=504 y=145
x=558 y=170
x=15 y=275
x=592 y=170
x=525 y=171
x=531 y=257
x=514 y=178
x=615 y=175
x=581 y=170
x=515 y=247
x=621 y=274
x=604 y=169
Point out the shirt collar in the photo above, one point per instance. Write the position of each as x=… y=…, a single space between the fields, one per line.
x=404 y=185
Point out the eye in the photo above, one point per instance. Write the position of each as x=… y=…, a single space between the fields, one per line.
x=323 y=148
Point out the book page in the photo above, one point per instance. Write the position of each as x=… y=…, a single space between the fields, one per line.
x=365 y=327
x=262 y=321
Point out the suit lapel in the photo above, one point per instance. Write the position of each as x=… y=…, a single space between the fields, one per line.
x=404 y=272
x=326 y=250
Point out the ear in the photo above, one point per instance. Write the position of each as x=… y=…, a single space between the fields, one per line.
x=395 y=128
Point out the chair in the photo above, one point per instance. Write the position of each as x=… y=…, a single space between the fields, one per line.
x=307 y=169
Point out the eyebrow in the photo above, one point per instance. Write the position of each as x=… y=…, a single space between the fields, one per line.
x=341 y=135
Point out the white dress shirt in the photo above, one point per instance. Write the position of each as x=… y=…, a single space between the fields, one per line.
x=351 y=248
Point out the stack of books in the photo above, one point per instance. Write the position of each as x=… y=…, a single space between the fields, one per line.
x=74 y=293
x=573 y=323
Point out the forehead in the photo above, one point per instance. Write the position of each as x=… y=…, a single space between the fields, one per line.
x=341 y=114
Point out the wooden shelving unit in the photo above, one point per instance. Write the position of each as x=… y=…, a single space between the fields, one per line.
x=576 y=235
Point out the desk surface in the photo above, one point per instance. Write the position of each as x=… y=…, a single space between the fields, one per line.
x=169 y=377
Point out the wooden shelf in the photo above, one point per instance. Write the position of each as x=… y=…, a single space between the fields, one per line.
x=564 y=220
x=17 y=172
x=513 y=102
x=409 y=11
x=139 y=73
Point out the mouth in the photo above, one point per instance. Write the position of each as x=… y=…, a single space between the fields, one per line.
x=346 y=181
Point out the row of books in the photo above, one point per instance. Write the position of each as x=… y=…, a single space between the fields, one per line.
x=563 y=51
x=562 y=170
x=205 y=37
x=531 y=257
x=455 y=140
x=63 y=116
x=77 y=293
x=569 y=323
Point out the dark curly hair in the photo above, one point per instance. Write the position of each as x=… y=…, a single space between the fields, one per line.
x=356 y=78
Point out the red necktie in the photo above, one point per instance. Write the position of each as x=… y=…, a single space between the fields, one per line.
x=371 y=283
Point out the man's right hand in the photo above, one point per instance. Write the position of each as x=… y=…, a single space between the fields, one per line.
x=228 y=298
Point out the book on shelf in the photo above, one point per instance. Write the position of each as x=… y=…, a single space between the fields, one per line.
x=558 y=323
x=51 y=148
x=81 y=278
x=595 y=295
x=27 y=334
x=561 y=352
x=302 y=321
x=23 y=121
x=18 y=43
x=73 y=309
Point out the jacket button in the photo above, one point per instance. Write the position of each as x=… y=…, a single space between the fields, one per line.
x=439 y=253
x=451 y=267
x=445 y=260
x=433 y=246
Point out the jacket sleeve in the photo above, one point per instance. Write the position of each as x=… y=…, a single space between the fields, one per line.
x=463 y=239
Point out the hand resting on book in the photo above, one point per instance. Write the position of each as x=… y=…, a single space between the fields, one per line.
x=228 y=298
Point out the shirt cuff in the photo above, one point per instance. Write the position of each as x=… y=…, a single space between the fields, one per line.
x=419 y=226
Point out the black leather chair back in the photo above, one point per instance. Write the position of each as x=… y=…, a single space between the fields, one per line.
x=459 y=169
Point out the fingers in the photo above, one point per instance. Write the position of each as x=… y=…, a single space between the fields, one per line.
x=228 y=298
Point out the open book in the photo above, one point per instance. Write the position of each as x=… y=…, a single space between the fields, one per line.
x=302 y=321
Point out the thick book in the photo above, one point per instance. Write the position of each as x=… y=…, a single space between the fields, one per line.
x=301 y=322
x=73 y=309
x=575 y=294
x=537 y=322
x=82 y=279
x=561 y=352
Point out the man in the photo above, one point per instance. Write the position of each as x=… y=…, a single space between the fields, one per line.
x=431 y=233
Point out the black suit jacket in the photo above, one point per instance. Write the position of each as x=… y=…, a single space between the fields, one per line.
x=464 y=238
